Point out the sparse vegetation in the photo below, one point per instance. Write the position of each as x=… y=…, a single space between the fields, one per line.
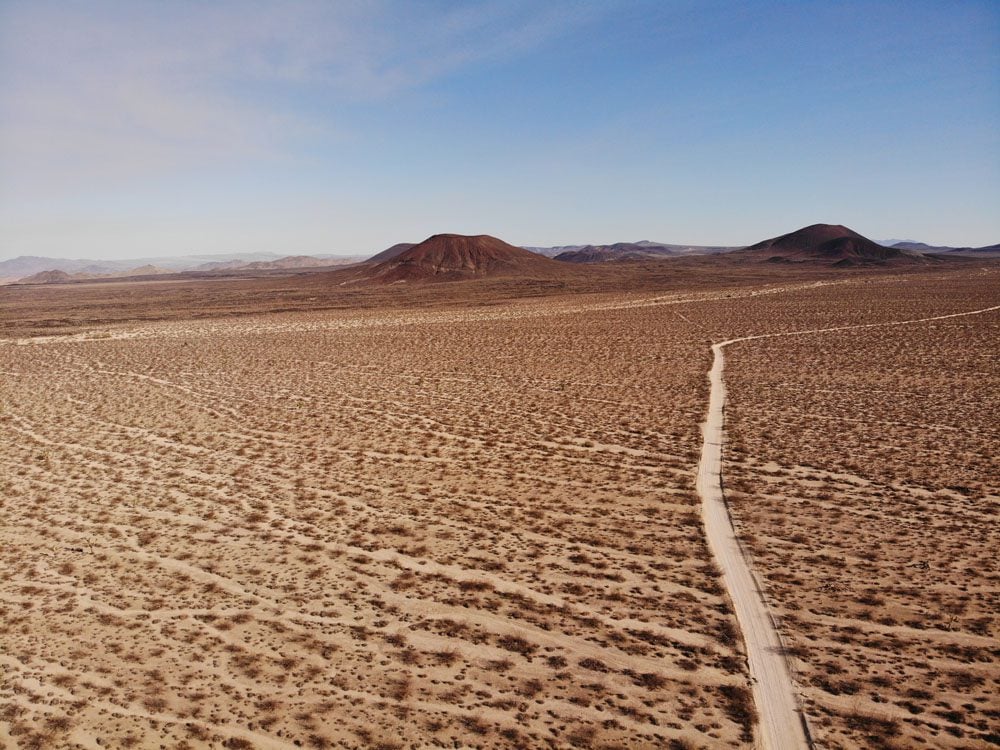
x=471 y=524
x=858 y=482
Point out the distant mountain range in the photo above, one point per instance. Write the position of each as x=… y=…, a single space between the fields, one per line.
x=56 y=276
x=624 y=251
x=29 y=264
x=988 y=251
x=831 y=244
x=828 y=243
x=644 y=250
x=448 y=256
x=551 y=252
x=617 y=252
x=33 y=269
x=286 y=263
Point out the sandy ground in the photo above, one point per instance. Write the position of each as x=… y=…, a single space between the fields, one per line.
x=364 y=529
x=479 y=526
x=781 y=720
x=860 y=471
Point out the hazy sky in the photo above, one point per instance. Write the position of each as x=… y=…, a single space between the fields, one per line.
x=150 y=128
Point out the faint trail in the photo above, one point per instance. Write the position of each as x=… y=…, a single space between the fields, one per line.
x=782 y=722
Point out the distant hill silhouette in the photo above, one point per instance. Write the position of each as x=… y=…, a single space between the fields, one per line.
x=47 y=277
x=642 y=250
x=552 y=251
x=288 y=262
x=147 y=270
x=833 y=244
x=26 y=265
x=447 y=257
x=620 y=251
x=391 y=252
x=918 y=247
x=56 y=276
x=988 y=251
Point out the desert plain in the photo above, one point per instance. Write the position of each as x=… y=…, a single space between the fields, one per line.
x=265 y=513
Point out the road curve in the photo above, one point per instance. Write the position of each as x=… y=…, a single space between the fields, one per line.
x=782 y=725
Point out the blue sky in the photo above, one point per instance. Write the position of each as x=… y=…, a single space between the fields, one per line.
x=136 y=128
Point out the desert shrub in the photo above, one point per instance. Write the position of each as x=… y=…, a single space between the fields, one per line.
x=581 y=737
x=875 y=729
x=739 y=707
x=500 y=665
x=475 y=585
x=514 y=737
x=447 y=657
x=650 y=680
x=58 y=723
x=475 y=724
x=726 y=633
x=399 y=690
x=530 y=688
x=517 y=644
x=595 y=665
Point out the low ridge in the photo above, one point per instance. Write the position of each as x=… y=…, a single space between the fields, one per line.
x=288 y=262
x=448 y=257
x=56 y=276
x=47 y=277
x=920 y=247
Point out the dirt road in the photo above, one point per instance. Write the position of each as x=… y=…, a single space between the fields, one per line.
x=781 y=726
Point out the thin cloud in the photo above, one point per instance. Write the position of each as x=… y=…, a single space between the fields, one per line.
x=96 y=92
